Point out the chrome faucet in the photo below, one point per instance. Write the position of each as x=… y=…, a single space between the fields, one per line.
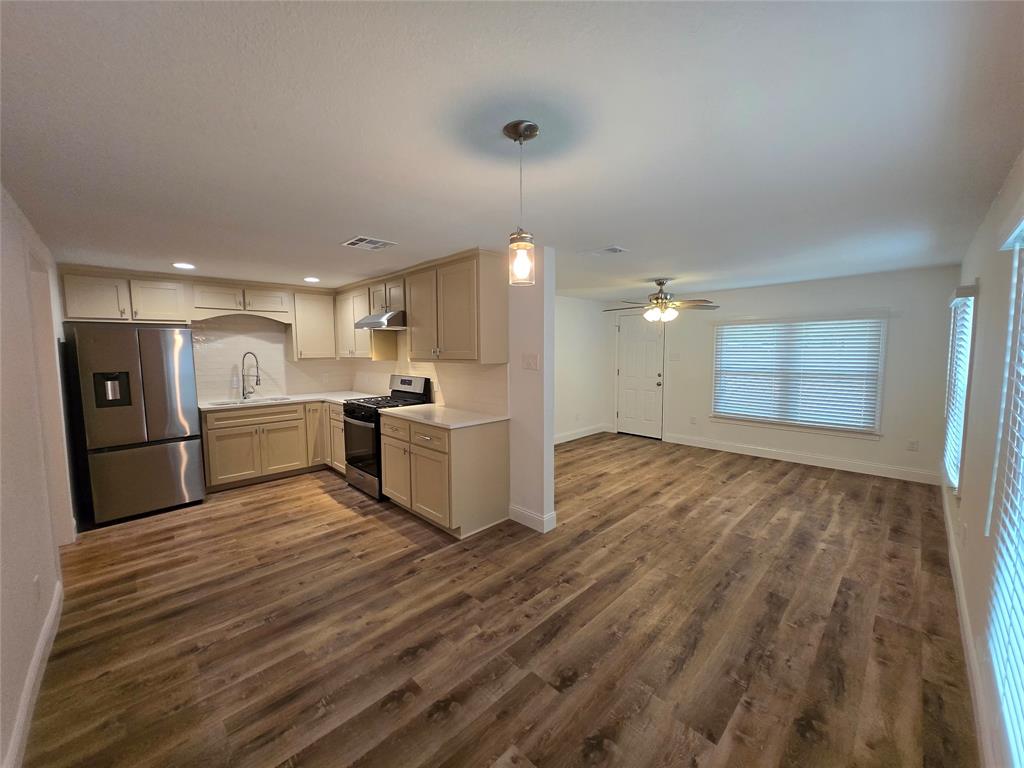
x=249 y=390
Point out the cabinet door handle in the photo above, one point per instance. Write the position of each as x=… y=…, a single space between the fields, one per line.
x=424 y=437
x=238 y=303
x=122 y=311
x=135 y=313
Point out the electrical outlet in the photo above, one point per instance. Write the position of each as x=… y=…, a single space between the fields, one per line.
x=913 y=445
x=531 y=361
x=37 y=588
x=693 y=420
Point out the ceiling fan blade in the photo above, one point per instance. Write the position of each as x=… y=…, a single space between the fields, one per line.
x=702 y=306
x=627 y=301
x=693 y=301
x=622 y=309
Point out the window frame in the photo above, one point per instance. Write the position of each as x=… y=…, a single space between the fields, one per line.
x=963 y=292
x=874 y=433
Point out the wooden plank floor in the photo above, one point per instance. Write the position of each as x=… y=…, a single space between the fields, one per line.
x=693 y=608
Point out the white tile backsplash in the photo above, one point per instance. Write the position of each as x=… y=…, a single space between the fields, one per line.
x=219 y=344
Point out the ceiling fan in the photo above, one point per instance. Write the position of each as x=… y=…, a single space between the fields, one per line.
x=661 y=306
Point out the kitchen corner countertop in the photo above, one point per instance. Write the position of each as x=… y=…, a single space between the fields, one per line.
x=440 y=416
x=307 y=397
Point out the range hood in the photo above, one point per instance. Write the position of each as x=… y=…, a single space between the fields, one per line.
x=383 y=321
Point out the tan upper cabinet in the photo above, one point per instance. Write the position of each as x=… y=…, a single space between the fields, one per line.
x=316 y=442
x=158 y=300
x=211 y=296
x=344 y=326
x=360 y=309
x=457 y=311
x=421 y=313
x=465 y=316
x=348 y=308
x=314 y=326
x=283 y=447
x=387 y=296
x=395 y=461
x=96 y=298
x=264 y=300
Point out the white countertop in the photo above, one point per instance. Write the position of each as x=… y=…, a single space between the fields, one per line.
x=440 y=416
x=308 y=397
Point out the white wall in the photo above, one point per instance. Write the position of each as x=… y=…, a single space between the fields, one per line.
x=531 y=374
x=916 y=302
x=974 y=552
x=584 y=362
x=219 y=344
x=471 y=386
x=30 y=587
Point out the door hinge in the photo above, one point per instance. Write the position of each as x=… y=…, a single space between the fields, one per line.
x=617 y=371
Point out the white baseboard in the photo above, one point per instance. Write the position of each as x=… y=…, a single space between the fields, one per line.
x=576 y=434
x=27 y=701
x=831 y=462
x=984 y=719
x=531 y=519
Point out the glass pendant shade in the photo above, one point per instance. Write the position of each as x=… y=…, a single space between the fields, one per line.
x=521 y=262
x=669 y=314
x=652 y=315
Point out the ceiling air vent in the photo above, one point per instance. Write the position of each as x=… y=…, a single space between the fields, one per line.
x=614 y=249
x=369 y=243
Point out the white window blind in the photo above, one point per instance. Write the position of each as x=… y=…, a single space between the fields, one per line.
x=1006 y=626
x=957 y=376
x=824 y=373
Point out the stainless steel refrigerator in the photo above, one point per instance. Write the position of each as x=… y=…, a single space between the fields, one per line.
x=133 y=419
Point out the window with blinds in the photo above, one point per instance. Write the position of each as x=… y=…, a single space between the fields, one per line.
x=822 y=373
x=1006 y=624
x=957 y=376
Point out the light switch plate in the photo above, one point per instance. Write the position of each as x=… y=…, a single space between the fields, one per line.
x=531 y=361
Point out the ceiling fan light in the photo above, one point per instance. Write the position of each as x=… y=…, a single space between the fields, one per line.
x=652 y=315
x=669 y=314
x=521 y=262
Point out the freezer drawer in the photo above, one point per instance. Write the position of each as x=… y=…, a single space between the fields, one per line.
x=137 y=480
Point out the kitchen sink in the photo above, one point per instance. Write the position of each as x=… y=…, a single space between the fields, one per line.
x=251 y=400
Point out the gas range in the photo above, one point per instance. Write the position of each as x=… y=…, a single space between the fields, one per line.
x=362 y=429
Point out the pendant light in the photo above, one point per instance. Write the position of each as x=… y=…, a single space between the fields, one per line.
x=521 y=262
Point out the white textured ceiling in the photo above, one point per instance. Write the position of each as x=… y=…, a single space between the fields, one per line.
x=722 y=144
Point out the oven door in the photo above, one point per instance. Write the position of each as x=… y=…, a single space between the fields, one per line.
x=362 y=455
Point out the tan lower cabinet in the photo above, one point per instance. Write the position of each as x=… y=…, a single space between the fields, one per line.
x=232 y=454
x=429 y=473
x=316 y=433
x=246 y=443
x=283 y=447
x=455 y=478
x=395 y=470
x=336 y=430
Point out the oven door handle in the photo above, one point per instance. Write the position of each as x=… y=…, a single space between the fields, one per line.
x=358 y=423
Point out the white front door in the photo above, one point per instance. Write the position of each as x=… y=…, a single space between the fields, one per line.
x=641 y=376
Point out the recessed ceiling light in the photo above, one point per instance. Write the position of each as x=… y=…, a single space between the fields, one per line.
x=183 y=265
x=311 y=279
